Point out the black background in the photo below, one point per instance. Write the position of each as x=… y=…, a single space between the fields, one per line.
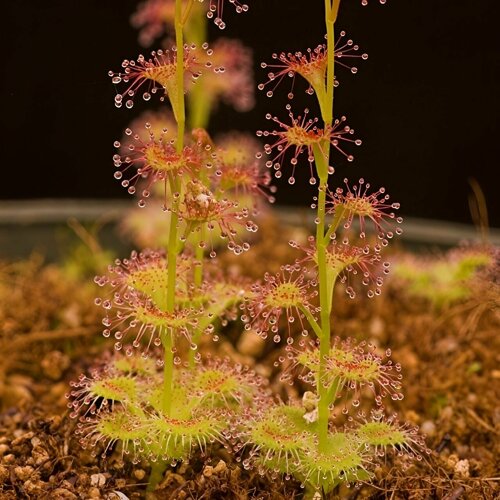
x=425 y=103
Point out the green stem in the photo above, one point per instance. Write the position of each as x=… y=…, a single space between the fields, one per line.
x=321 y=160
x=335 y=10
x=179 y=76
x=199 y=254
x=324 y=338
x=312 y=322
x=199 y=114
x=200 y=106
x=334 y=390
x=339 y=214
x=195 y=31
x=156 y=475
x=322 y=157
x=198 y=281
x=330 y=16
x=187 y=13
x=167 y=340
x=168 y=372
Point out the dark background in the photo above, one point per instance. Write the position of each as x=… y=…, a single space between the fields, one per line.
x=425 y=103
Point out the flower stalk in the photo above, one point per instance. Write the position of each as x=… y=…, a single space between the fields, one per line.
x=321 y=157
x=199 y=105
x=168 y=341
x=198 y=281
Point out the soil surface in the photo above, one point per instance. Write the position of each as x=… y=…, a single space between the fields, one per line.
x=50 y=333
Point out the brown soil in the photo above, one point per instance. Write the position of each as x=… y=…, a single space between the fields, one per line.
x=450 y=362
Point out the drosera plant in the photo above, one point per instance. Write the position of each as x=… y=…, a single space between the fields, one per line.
x=166 y=300
x=443 y=280
x=122 y=402
x=334 y=435
x=230 y=80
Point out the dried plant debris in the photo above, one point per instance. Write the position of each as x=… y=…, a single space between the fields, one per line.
x=44 y=315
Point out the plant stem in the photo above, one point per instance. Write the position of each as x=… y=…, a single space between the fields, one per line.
x=312 y=322
x=324 y=339
x=200 y=106
x=339 y=213
x=187 y=13
x=168 y=340
x=327 y=110
x=156 y=475
x=198 y=281
x=199 y=254
x=322 y=156
x=179 y=75
x=168 y=372
x=333 y=390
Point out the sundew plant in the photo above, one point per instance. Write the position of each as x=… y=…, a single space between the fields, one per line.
x=443 y=280
x=159 y=399
x=330 y=437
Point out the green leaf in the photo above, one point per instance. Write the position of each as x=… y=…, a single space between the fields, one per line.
x=120 y=388
x=381 y=434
